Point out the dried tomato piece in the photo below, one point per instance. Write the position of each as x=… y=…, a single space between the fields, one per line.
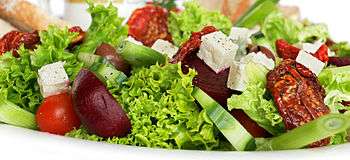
x=148 y=24
x=322 y=53
x=286 y=50
x=299 y=98
x=13 y=40
x=192 y=45
x=79 y=39
x=210 y=82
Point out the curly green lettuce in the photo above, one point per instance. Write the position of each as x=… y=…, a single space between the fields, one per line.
x=254 y=102
x=193 y=19
x=106 y=27
x=162 y=111
x=342 y=49
x=18 y=81
x=53 y=48
x=277 y=26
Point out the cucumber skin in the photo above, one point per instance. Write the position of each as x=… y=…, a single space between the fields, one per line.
x=235 y=133
x=140 y=56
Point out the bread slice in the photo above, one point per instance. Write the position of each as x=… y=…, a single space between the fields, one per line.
x=26 y=16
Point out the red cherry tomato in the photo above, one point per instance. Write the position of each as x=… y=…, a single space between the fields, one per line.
x=56 y=115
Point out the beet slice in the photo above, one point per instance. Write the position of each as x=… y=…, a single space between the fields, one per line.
x=96 y=107
x=339 y=61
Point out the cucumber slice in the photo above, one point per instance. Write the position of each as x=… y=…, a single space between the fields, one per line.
x=90 y=59
x=140 y=56
x=257 y=13
x=234 y=132
x=14 y=115
x=323 y=127
x=106 y=71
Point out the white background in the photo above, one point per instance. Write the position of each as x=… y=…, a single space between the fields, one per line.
x=335 y=13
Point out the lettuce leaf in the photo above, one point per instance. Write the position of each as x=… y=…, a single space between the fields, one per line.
x=193 y=19
x=342 y=49
x=106 y=27
x=336 y=82
x=254 y=103
x=18 y=81
x=276 y=26
x=314 y=32
x=53 y=46
x=162 y=111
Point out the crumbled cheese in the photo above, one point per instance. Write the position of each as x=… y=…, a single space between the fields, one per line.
x=237 y=77
x=165 y=47
x=53 y=79
x=217 y=51
x=133 y=40
x=310 y=62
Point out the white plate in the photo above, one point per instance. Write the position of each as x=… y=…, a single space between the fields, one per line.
x=18 y=143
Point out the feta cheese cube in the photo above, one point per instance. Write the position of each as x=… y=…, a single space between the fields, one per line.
x=312 y=47
x=259 y=58
x=165 y=47
x=133 y=40
x=237 y=79
x=217 y=51
x=310 y=62
x=53 y=79
x=241 y=35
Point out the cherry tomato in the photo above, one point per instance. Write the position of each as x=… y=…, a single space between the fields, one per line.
x=56 y=115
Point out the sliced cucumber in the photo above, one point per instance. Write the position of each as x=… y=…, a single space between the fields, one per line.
x=90 y=59
x=306 y=134
x=14 y=115
x=106 y=71
x=139 y=56
x=234 y=132
x=257 y=13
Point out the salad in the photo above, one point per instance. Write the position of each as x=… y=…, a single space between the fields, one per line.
x=181 y=79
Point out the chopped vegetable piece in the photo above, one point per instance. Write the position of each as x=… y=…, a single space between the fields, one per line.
x=257 y=13
x=313 y=131
x=235 y=133
x=14 y=115
x=139 y=56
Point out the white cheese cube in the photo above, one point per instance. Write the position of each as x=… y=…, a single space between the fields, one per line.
x=310 y=62
x=217 y=51
x=53 y=79
x=133 y=40
x=241 y=35
x=165 y=47
x=259 y=58
x=312 y=47
x=237 y=79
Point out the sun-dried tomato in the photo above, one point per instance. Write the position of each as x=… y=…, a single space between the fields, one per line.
x=322 y=53
x=148 y=24
x=79 y=39
x=299 y=98
x=192 y=45
x=286 y=50
x=13 y=40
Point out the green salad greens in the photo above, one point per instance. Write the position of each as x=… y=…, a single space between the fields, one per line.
x=106 y=27
x=193 y=19
x=162 y=111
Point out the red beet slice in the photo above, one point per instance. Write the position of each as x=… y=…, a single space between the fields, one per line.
x=96 y=107
x=339 y=61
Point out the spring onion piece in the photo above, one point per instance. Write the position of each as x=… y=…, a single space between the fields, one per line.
x=90 y=59
x=14 y=115
x=139 y=56
x=106 y=71
x=257 y=13
x=235 y=133
x=313 y=131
